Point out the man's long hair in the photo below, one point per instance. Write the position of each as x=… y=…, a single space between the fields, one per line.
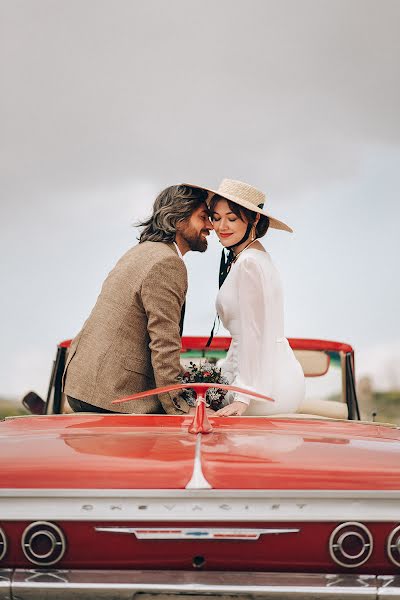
x=172 y=206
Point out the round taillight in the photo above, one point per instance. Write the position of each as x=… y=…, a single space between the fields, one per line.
x=393 y=546
x=43 y=543
x=3 y=544
x=350 y=544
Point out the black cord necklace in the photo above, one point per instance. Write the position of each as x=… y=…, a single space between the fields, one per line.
x=224 y=268
x=227 y=261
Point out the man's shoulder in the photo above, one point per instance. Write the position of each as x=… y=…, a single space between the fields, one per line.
x=150 y=259
x=150 y=253
x=154 y=248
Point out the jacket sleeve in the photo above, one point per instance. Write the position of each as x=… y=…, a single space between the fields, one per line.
x=255 y=353
x=163 y=293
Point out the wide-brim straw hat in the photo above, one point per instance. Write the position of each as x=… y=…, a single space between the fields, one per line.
x=247 y=196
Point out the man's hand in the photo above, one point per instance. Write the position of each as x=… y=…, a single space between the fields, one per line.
x=235 y=409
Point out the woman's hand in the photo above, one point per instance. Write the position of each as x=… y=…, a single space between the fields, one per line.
x=209 y=411
x=235 y=409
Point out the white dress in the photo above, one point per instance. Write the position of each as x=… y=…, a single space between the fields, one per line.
x=250 y=305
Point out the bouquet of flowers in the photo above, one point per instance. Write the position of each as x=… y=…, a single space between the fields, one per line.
x=205 y=373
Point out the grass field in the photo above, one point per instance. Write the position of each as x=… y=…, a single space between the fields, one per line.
x=9 y=407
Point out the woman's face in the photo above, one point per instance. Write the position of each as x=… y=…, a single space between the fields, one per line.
x=229 y=227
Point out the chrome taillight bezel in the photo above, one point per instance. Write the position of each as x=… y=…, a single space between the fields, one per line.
x=337 y=539
x=393 y=549
x=3 y=544
x=57 y=543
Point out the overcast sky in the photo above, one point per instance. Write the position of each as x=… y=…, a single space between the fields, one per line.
x=104 y=103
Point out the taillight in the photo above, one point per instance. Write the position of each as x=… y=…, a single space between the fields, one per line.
x=3 y=544
x=393 y=546
x=350 y=544
x=43 y=543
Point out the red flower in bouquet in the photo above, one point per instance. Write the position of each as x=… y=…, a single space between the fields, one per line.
x=205 y=373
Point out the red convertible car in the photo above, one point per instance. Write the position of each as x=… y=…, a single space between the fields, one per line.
x=305 y=505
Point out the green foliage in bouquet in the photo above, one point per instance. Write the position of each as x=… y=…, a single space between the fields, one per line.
x=205 y=373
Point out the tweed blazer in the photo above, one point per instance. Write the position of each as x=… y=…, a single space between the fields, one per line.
x=131 y=340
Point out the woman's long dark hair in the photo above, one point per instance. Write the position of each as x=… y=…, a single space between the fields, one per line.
x=172 y=206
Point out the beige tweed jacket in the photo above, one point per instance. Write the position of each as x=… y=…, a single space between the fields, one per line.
x=131 y=340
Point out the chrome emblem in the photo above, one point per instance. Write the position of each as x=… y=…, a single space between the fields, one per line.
x=193 y=533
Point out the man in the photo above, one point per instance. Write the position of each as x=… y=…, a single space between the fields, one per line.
x=131 y=340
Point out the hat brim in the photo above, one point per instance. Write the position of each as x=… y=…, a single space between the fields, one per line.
x=273 y=222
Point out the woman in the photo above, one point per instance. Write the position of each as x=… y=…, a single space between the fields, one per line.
x=250 y=305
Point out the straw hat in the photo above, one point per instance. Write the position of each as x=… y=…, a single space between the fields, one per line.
x=247 y=196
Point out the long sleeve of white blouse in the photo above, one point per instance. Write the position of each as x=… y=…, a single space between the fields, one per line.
x=255 y=347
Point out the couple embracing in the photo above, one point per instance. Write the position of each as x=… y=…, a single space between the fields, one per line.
x=131 y=341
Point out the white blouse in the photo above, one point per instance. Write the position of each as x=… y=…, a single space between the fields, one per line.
x=250 y=305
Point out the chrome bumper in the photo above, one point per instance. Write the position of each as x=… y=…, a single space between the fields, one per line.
x=191 y=585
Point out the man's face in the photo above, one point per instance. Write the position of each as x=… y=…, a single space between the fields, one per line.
x=196 y=229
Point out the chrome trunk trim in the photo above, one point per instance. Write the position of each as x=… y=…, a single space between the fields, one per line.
x=199 y=505
x=196 y=533
x=124 y=585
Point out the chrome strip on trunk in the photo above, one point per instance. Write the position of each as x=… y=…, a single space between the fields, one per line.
x=124 y=585
x=196 y=533
x=199 y=505
x=197 y=480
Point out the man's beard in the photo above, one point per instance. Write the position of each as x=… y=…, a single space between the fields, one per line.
x=196 y=241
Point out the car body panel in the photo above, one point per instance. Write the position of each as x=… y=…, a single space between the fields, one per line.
x=93 y=451
x=156 y=452
x=90 y=548
x=302 y=454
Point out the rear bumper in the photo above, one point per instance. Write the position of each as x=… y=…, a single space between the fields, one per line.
x=81 y=585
